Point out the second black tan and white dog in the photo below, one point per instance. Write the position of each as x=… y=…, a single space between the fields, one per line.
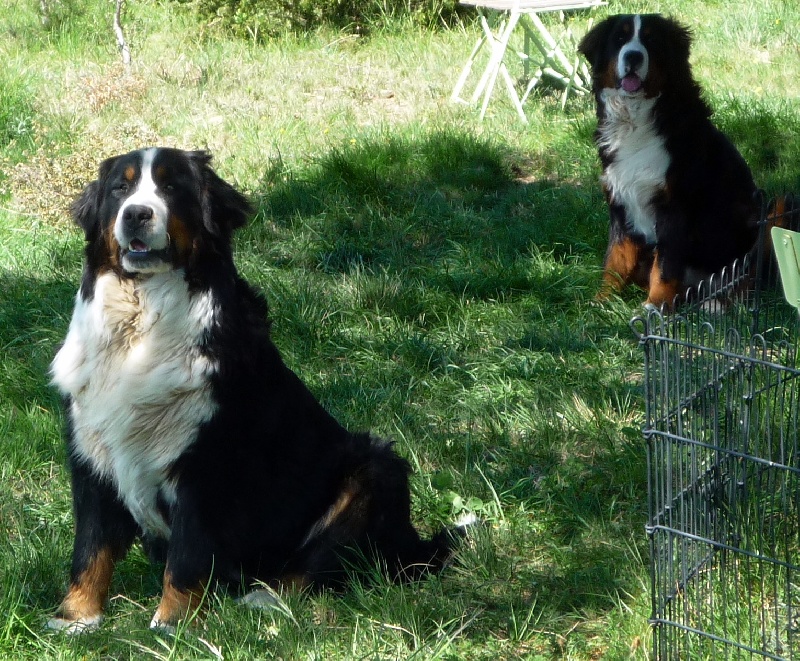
x=681 y=198
x=184 y=425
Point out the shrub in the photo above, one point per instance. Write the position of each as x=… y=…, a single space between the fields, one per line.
x=261 y=19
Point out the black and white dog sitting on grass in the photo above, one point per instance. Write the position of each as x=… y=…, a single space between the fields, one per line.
x=184 y=426
x=682 y=200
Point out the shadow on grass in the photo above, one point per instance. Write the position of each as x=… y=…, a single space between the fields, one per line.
x=769 y=139
x=451 y=205
x=468 y=221
x=458 y=215
x=33 y=320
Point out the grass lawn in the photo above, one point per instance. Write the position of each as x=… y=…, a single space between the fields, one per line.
x=430 y=277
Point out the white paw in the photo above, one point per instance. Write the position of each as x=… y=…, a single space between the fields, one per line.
x=466 y=520
x=75 y=627
x=156 y=624
x=650 y=307
x=714 y=307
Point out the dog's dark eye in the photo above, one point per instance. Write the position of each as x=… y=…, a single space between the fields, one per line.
x=169 y=187
x=121 y=188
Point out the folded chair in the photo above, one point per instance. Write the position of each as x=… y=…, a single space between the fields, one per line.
x=553 y=56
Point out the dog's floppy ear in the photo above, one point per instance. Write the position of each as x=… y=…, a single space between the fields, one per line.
x=85 y=209
x=224 y=208
x=679 y=39
x=594 y=41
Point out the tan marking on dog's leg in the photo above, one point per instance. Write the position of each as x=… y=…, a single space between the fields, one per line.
x=661 y=293
x=175 y=604
x=621 y=262
x=348 y=505
x=780 y=214
x=82 y=608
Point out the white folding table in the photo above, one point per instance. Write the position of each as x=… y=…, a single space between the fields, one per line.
x=499 y=19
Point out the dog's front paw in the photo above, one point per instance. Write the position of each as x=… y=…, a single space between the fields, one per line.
x=75 y=626
x=162 y=626
x=714 y=307
x=176 y=605
x=651 y=307
x=167 y=616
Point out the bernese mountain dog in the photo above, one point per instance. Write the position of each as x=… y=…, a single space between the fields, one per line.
x=682 y=200
x=184 y=426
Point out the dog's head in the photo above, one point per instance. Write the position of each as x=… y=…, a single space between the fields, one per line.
x=637 y=54
x=154 y=210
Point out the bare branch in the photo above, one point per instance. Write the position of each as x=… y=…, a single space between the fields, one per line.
x=44 y=7
x=123 y=45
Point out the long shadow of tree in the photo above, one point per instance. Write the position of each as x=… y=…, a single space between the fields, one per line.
x=466 y=219
x=459 y=214
x=448 y=199
x=464 y=215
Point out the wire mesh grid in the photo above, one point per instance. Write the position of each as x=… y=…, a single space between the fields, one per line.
x=722 y=391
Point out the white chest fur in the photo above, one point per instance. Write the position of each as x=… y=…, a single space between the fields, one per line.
x=139 y=383
x=640 y=159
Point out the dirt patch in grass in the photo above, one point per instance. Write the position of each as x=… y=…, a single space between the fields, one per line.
x=110 y=84
x=44 y=183
x=43 y=186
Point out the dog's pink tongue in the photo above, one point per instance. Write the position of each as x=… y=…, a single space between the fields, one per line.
x=631 y=83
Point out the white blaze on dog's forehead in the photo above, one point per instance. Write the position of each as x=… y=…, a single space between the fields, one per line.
x=146 y=194
x=146 y=186
x=634 y=44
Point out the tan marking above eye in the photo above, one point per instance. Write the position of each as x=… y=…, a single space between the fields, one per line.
x=130 y=173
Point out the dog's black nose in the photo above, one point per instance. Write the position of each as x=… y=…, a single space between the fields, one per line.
x=632 y=60
x=136 y=215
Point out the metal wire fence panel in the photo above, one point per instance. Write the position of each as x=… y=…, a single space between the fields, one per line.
x=722 y=391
